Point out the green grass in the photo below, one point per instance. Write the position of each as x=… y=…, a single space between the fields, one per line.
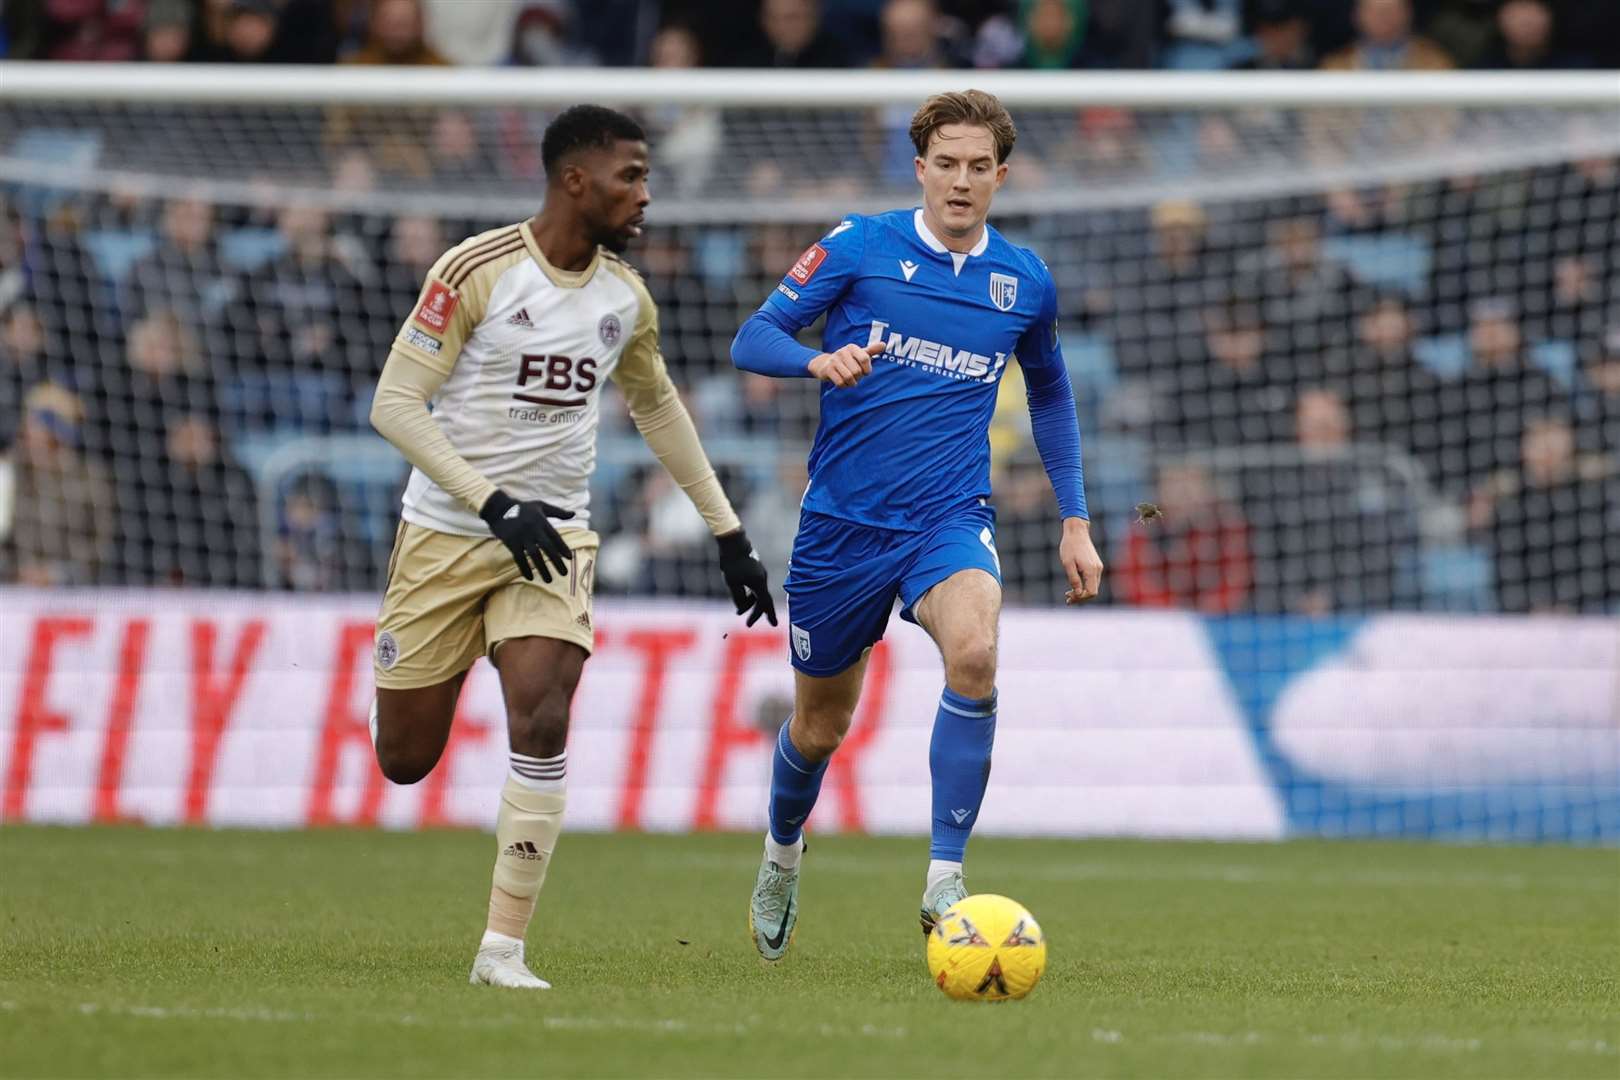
x=130 y=952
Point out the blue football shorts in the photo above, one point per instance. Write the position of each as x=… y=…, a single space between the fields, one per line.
x=843 y=579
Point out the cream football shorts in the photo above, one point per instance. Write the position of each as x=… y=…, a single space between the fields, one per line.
x=450 y=599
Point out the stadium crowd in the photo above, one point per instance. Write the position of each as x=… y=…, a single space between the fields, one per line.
x=1519 y=35
x=1304 y=428
x=1393 y=396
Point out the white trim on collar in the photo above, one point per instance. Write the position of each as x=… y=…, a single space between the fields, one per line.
x=934 y=243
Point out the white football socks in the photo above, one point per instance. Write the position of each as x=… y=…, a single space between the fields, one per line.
x=939 y=870
x=784 y=855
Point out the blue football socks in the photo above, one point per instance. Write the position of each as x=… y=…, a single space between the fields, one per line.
x=959 y=761
x=795 y=783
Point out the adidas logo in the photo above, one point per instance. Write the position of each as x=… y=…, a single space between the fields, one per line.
x=523 y=849
x=584 y=619
x=521 y=319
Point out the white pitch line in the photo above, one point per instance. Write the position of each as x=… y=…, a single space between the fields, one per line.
x=1344 y=1041
x=556 y=1023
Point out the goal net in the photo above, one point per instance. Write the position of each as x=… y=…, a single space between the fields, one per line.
x=1365 y=356
x=1357 y=341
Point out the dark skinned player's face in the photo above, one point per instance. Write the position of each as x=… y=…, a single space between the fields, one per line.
x=612 y=195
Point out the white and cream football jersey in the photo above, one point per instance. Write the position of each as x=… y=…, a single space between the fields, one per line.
x=526 y=348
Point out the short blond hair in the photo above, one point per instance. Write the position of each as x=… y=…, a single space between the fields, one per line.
x=975 y=107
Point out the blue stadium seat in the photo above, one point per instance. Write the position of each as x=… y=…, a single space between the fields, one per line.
x=1117 y=474
x=1457 y=577
x=1446 y=354
x=116 y=250
x=1393 y=260
x=245 y=250
x=720 y=256
x=289 y=403
x=1556 y=358
x=60 y=148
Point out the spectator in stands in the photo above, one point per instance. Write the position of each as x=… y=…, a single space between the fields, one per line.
x=75 y=29
x=1325 y=526
x=60 y=271
x=1385 y=42
x=189 y=517
x=1024 y=508
x=25 y=362
x=1598 y=407
x=914 y=37
x=1554 y=534
x=547 y=35
x=414 y=243
x=1202 y=35
x=470 y=35
x=184 y=273
x=305 y=311
x=163 y=372
x=61 y=527
x=241 y=32
x=318 y=546
x=1304 y=295
x=775 y=506
x=396 y=36
x=1232 y=396
x=1151 y=302
x=169 y=32
x=1054 y=34
x=1463 y=28
x=690 y=137
x=1482 y=413
x=659 y=540
x=1282 y=38
x=1525 y=40
x=13 y=269
x=793 y=37
x=1195 y=556
x=1393 y=398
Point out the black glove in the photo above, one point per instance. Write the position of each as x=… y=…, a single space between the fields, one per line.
x=523 y=528
x=745 y=577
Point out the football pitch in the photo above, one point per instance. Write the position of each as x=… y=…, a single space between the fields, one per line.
x=128 y=952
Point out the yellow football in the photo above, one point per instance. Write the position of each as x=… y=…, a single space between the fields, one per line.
x=986 y=948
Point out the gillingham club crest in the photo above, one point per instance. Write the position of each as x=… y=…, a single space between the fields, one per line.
x=1003 y=291
x=609 y=330
x=801 y=642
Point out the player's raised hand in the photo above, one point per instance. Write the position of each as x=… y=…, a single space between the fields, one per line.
x=745 y=577
x=531 y=538
x=1080 y=561
x=848 y=366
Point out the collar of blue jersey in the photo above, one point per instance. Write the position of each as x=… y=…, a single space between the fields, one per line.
x=958 y=257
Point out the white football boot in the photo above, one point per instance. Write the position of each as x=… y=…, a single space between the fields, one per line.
x=502 y=965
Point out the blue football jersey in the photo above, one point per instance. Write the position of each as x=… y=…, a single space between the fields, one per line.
x=910 y=442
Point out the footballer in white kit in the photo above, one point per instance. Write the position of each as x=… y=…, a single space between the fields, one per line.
x=514 y=334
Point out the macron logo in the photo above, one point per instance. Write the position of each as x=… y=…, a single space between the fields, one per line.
x=960 y=815
x=907 y=267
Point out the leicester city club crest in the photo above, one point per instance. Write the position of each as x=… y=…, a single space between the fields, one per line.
x=1003 y=291
x=609 y=330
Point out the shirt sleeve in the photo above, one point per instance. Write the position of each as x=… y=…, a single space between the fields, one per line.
x=424 y=354
x=1051 y=405
x=822 y=275
x=444 y=317
x=656 y=408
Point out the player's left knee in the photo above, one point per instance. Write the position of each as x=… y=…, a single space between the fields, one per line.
x=539 y=727
x=970 y=669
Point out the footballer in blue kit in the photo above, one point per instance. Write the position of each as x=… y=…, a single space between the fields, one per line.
x=925 y=308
